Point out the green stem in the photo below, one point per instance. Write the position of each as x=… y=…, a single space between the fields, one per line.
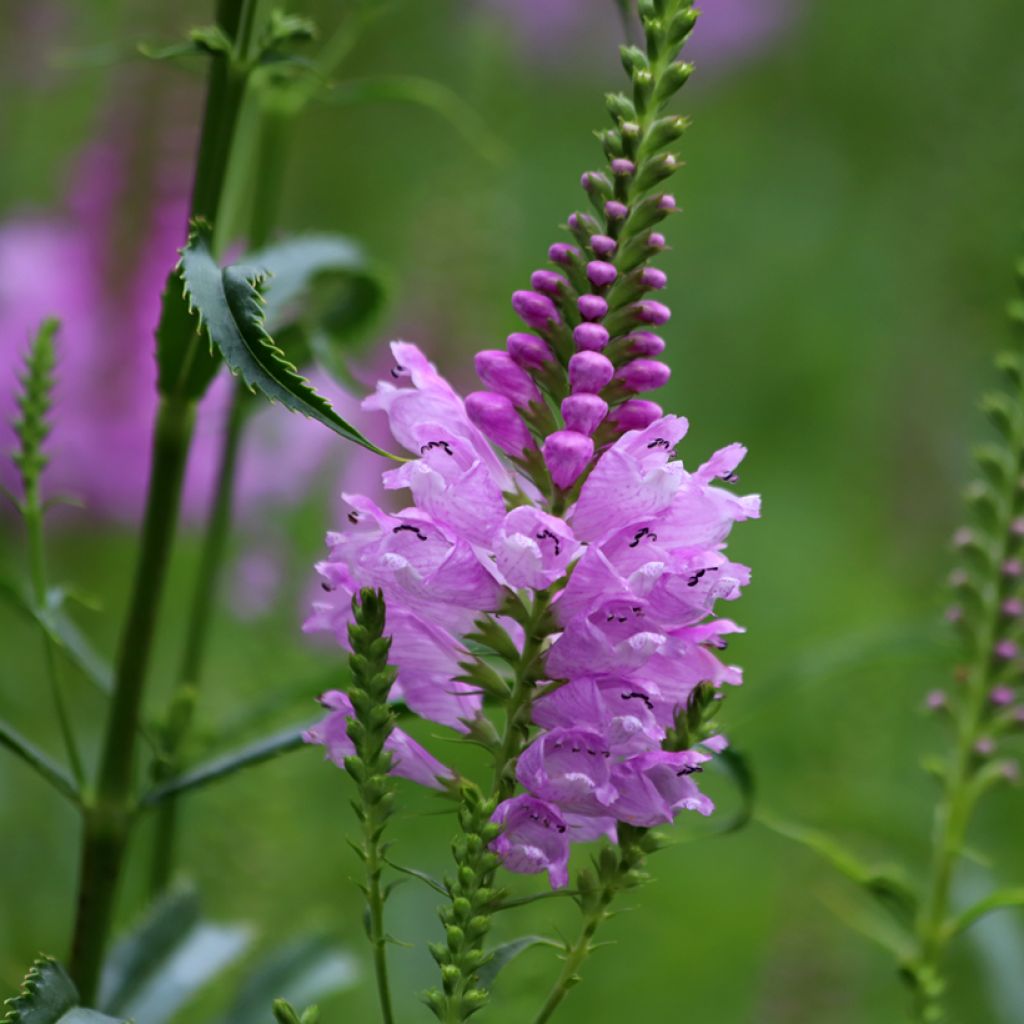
x=108 y=816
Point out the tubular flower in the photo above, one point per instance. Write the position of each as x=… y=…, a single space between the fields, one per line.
x=557 y=560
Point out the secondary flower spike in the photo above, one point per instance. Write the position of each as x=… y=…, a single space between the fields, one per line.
x=555 y=558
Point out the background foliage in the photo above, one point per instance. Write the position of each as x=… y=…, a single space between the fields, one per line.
x=852 y=206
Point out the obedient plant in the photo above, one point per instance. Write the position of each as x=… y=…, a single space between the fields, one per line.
x=552 y=575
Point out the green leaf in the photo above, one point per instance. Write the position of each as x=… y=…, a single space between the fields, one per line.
x=40 y=761
x=886 y=884
x=49 y=996
x=304 y=970
x=230 y=308
x=161 y=964
x=1001 y=899
x=227 y=764
x=502 y=955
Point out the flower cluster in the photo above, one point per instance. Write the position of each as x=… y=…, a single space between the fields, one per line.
x=572 y=583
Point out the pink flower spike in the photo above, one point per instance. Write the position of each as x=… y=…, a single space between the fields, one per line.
x=601 y=274
x=592 y=307
x=590 y=371
x=1001 y=696
x=590 y=337
x=644 y=375
x=496 y=417
x=584 y=412
x=567 y=453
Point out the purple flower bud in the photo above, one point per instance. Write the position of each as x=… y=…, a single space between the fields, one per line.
x=562 y=253
x=1012 y=567
x=567 y=453
x=500 y=372
x=584 y=412
x=936 y=700
x=529 y=351
x=614 y=210
x=548 y=282
x=535 y=309
x=623 y=166
x=636 y=414
x=985 y=747
x=603 y=245
x=590 y=371
x=1013 y=608
x=1007 y=650
x=496 y=417
x=644 y=375
x=643 y=343
x=1001 y=695
x=592 y=307
x=656 y=240
x=601 y=274
x=650 y=312
x=590 y=337
x=653 y=278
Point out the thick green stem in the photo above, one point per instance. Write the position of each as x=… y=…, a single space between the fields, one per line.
x=108 y=815
x=182 y=706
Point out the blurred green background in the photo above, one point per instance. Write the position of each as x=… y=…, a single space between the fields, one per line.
x=852 y=207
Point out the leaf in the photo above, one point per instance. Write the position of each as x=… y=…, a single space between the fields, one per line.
x=49 y=996
x=227 y=764
x=502 y=955
x=886 y=884
x=159 y=966
x=37 y=759
x=230 y=308
x=306 y=969
x=1001 y=899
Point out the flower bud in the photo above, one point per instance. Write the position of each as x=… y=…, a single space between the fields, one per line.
x=590 y=371
x=499 y=372
x=567 y=453
x=636 y=414
x=590 y=337
x=496 y=417
x=603 y=245
x=529 y=351
x=547 y=282
x=592 y=307
x=644 y=375
x=601 y=274
x=584 y=412
x=536 y=310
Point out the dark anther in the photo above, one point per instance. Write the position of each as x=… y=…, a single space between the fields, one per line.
x=639 y=696
x=436 y=444
x=408 y=526
x=548 y=535
x=659 y=442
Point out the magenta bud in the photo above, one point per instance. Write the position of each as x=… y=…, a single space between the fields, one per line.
x=1013 y=607
x=650 y=312
x=656 y=240
x=653 y=278
x=529 y=351
x=1006 y=649
x=644 y=375
x=1001 y=695
x=500 y=372
x=567 y=453
x=562 y=253
x=614 y=210
x=535 y=309
x=590 y=371
x=601 y=274
x=636 y=414
x=584 y=412
x=497 y=419
x=590 y=337
x=643 y=343
x=548 y=282
x=623 y=166
x=592 y=307
x=603 y=245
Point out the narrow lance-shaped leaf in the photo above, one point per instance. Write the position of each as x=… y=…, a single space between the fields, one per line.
x=230 y=308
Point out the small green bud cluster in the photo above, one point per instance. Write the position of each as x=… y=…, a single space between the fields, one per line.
x=467 y=918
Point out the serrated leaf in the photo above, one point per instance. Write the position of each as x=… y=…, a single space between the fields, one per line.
x=1001 y=899
x=304 y=970
x=504 y=954
x=49 y=996
x=160 y=965
x=230 y=309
